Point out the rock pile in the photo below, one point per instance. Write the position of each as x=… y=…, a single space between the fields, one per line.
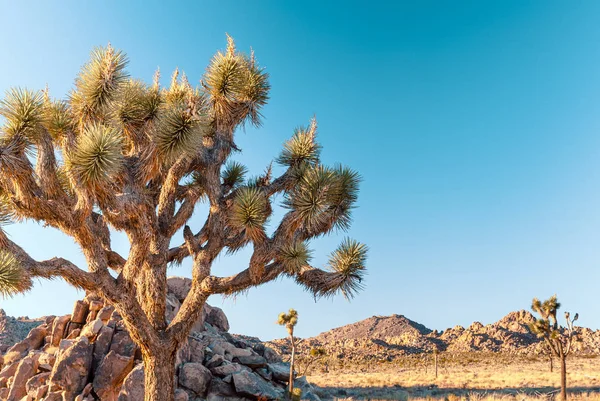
x=89 y=355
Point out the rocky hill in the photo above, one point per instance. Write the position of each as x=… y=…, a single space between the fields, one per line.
x=389 y=337
x=13 y=330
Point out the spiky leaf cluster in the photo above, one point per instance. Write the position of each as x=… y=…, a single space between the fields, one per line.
x=233 y=174
x=179 y=132
x=236 y=86
x=136 y=104
x=23 y=111
x=98 y=155
x=293 y=256
x=58 y=119
x=13 y=279
x=301 y=148
x=289 y=320
x=323 y=199
x=249 y=212
x=348 y=261
x=98 y=82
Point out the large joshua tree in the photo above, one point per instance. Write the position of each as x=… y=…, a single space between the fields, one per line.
x=121 y=155
x=559 y=340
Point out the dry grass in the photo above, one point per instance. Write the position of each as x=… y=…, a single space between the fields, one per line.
x=508 y=379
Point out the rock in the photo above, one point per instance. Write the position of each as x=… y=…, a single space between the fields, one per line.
x=34 y=340
x=105 y=313
x=265 y=374
x=91 y=329
x=80 y=312
x=40 y=392
x=280 y=371
x=4 y=393
x=248 y=383
x=252 y=361
x=229 y=369
x=133 y=385
x=271 y=356
x=181 y=395
x=9 y=371
x=122 y=344
x=216 y=317
x=102 y=345
x=26 y=370
x=172 y=307
x=72 y=367
x=196 y=377
x=196 y=350
x=73 y=334
x=54 y=396
x=233 y=352
x=111 y=373
x=37 y=381
x=216 y=360
x=58 y=328
x=179 y=286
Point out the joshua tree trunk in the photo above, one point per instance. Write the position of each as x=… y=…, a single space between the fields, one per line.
x=563 y=378
x=551 y=363
x=159 y=380
x=291 y=384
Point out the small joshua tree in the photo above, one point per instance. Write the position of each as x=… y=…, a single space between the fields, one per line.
x=122 y=155
x=289 y=320
x=558 y=339
x=314 y=355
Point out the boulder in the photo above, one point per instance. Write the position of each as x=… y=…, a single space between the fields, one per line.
x=216 y=317
x=250 y=384
x=72 y=367
x=34 y=340
x=229 y=369
x=172 y=307
x=196 y=377
x=122 y=344
x=252 y=361
x=37 y=381
x=102 y=345
x=280 y=371
x=110 y=374
x=181 y=395
x=80 y=312
x=133 y=385
x=179 y=286
x=105 y=313
x=58 y=328
x=219 y=390
x=25 y=371
x=91 y=329
x=216 y=360
x=196 y=350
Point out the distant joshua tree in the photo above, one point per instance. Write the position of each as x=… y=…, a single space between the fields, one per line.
x=122 y=155
x=314 y=355
x=558 y=339
x=289 y=320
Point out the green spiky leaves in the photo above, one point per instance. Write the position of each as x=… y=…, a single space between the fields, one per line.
x=13 y=279
x=301 y=148
x=57 y=118
x=249 y=212
x=348 y=261
x=294 y=256
x=236 y=86
x=179 y=132
x=23 y=110
x=345 y=273
x=233 y=174
x=98 y=155
x=136 y=104
x=99 y=81
x=289 y=320
x=323 y=199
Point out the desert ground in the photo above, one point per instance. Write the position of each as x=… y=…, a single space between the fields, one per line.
x=473 y=377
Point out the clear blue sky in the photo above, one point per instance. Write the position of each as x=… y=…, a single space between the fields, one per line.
x=474 y=124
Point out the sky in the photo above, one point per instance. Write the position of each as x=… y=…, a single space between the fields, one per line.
x=475 y=127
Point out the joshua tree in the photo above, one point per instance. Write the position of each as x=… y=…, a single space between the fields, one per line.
x=314 y=355
x=558 y=339
x=122 y=155
x=289 y=320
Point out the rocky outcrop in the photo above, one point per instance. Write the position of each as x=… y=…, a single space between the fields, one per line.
x=88 y=355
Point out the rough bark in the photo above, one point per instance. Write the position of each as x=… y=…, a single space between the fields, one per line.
x=291 y=383
x=563 y=378
x=159 y=374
